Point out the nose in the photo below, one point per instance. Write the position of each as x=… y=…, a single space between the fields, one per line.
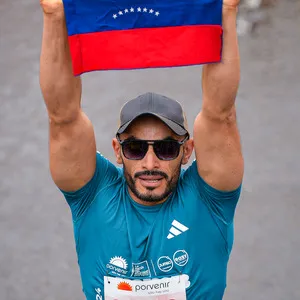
x=150 y=161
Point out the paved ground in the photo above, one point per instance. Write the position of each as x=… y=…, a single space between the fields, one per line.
x=37 y=255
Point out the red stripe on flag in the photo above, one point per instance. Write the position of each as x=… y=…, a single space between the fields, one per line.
x=146 y=48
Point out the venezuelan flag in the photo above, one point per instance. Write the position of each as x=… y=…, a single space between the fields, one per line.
x=133 y=34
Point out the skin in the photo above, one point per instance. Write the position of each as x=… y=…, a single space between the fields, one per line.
x=71 y=136
x=151 y=193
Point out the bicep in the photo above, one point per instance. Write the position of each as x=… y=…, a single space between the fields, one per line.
x=72 y=153
x=218 y=151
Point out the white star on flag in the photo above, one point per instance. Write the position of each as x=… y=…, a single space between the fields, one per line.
x=131 y=9
x=120 y=13
x=157 y=13
x=126 y=10
x=145 y=9
x=139 y=9
x=114 y=16
x=151 y=11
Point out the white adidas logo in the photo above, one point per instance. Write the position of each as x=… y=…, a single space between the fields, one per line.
x=176 y=229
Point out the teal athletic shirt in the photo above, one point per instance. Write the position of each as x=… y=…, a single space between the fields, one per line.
x=190 y=233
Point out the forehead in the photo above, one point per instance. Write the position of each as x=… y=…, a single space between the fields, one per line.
x=149 y=127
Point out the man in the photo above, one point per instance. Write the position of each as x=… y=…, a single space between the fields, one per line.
x=149 y=219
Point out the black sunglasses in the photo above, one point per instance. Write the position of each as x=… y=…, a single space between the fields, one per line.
x=167 y=149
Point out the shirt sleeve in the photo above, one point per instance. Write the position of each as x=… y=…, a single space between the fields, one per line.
x=221 y=204
x=80 y=200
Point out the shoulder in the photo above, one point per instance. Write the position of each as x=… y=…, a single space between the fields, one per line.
x=106 y=168
x=188 y=191
x=104 y=181
x=189 y=175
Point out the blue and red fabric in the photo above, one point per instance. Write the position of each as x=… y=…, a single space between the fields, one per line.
x=132 y=34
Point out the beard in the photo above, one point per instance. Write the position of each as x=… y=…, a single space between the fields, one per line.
x=152 y=197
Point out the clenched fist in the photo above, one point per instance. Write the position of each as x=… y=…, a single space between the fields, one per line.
x=53 y=7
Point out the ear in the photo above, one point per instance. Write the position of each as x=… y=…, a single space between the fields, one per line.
x=188 y=148
x=117 y=149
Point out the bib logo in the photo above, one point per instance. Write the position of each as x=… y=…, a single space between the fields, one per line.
x=124 y=286
x=118 y=265
x=165 y=263
x=168 y=287
x=155 y=286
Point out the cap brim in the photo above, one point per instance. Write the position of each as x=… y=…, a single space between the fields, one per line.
x=171 y=124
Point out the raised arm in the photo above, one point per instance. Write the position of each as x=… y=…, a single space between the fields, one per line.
x=72 y=141
x=216 y=137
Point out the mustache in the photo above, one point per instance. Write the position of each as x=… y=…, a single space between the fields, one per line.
x=151 y=173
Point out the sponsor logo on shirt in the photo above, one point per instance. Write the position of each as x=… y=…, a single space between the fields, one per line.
x=118 y=266
x=181 y=258
x=141 y=269
x=176 y=229
x=165 y=263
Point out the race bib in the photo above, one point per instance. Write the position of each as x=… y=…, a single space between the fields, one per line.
x=171 y=288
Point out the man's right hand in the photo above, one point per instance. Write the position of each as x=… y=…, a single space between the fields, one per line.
x=52 y=7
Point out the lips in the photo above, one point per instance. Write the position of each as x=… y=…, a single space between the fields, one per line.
x=151 y=177
x=150 y=181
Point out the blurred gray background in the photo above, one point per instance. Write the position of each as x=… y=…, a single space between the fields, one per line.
x=37 y=253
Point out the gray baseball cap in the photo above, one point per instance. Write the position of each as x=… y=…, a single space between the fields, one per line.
x=166 y=109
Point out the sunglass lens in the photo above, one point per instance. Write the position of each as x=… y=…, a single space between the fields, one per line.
x=135 y=149
x=166 y=150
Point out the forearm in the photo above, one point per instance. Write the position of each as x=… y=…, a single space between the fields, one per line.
x=220 y=81
x=61 y=89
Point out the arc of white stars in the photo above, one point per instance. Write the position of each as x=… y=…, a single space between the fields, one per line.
x=139 y=9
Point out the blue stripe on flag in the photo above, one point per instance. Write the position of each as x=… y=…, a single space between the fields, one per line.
x=88 y=16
